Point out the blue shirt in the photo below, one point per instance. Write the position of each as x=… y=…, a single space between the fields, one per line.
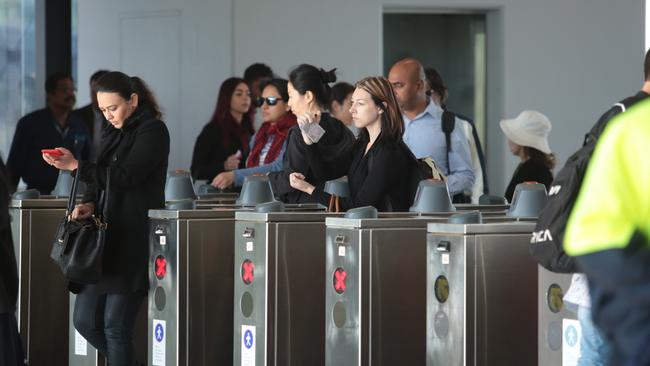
x=275 y=166
x=423 y=135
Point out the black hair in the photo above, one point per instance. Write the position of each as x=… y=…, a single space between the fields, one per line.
x=307 y=77
x=257 y=71
x=436 y=85
x=340 y=91
x=53 y=81
x=280 y=85
x=125 y=85
x=97 y=74
x=646 y=66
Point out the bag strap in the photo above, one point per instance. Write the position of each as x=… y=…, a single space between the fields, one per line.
x=105 y=194
x=73 y=195
x=448 y=124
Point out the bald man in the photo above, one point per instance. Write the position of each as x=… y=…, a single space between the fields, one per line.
x=423 y=128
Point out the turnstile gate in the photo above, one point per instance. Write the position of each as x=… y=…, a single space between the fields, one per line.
x=42 y=311
x=481 y=287
x=190 y=294
x=279 y=288
x=558 y=339
x=191 y=285
x=375 y=303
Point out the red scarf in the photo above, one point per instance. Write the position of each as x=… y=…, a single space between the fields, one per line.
x=278 y=131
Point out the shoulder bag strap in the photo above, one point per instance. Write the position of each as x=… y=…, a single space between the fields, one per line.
x=73 y=195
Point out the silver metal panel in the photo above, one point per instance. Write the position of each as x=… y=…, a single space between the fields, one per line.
x=287 y=216
x=384 y=305
x=192 y=214
x=43 y=301
x=389 y=222
x=482 y=208
x=490 y=315
x=288 y=251
x=344 y=344
x=40 y=203
x=252 y=302
x=197 y=287
x=549 y=332
x=505 y=227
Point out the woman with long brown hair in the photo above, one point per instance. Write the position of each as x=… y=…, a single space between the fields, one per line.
x=378 y=163
x=223 y=144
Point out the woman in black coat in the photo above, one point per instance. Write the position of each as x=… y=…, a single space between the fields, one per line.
x=134 y=152
x=528 y=139
x=309 y=94
x=223 y=144
x=377 y=163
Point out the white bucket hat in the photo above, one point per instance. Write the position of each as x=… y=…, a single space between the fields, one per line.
x=530 y=128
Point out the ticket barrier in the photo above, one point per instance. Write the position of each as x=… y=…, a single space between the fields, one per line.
x=279 y=287
x=190 y=307
x=42 y=311
x=375 y=290
x=481 y=288
x=558 y=327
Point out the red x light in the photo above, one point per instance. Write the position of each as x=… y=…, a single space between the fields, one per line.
x=160 y=267
x=339 y=280
x=247 y=271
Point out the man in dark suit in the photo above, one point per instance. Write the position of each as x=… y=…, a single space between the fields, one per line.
x=47 y=128
x=92 y=117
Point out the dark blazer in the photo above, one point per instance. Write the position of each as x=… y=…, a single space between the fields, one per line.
x=86 y=115
x=8 y=268
x=378 y=178
x=37 y=131
x=529 y=171
x=137 y=155
x=210 y=153
x=319 y=162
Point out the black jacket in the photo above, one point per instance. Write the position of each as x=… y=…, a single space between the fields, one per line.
x=37 y=131
x=332 y=152
x=378 y=178
x=210 y=152
x=137 y=155
x=8 y=268
x=529 y=171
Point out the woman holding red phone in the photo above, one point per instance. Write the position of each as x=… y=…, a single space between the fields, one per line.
x=134 y=151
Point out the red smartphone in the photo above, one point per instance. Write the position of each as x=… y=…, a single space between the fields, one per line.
x=53 y=152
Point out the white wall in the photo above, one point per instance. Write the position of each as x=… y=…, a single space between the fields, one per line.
x=570 y=59
x=181 y=48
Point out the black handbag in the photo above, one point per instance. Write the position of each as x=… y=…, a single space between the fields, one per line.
x=79 y=245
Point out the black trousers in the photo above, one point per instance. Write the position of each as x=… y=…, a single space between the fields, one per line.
x=107 y=321
x=11 y=346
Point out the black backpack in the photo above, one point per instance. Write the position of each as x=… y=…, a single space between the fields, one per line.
x=418 y=170
x=546 y=243
x=448 y=124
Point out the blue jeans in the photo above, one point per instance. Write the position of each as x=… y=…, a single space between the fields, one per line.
x=106 y=321
x=595 y=349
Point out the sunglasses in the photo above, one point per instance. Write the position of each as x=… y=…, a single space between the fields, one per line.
x=269 y=100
